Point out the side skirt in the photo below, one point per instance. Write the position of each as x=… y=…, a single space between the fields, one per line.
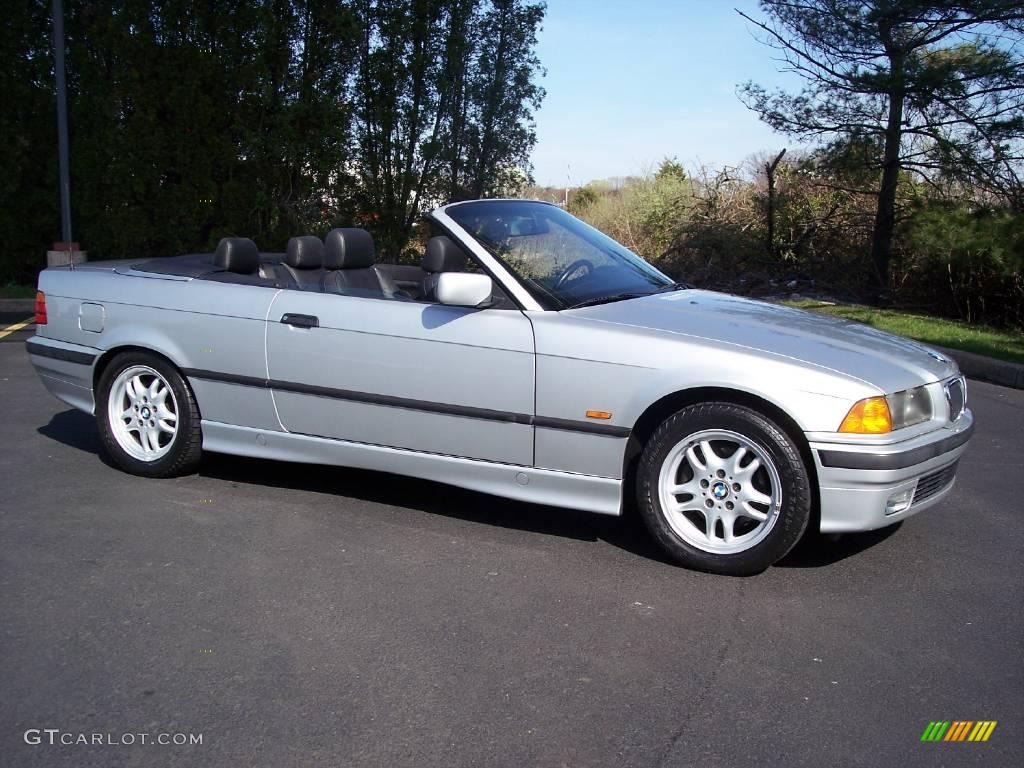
x=539 y=486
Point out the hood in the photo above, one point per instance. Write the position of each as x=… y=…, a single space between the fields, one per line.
x=891 y=363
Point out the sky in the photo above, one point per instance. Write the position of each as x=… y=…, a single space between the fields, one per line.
x=630 y=82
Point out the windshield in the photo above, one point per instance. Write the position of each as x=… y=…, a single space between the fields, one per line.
x=560 y=260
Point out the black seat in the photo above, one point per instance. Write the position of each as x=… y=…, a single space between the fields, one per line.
x=348 y=259
x=237 y=254
x=304 y=259
x=442 y=255
x=237 y=260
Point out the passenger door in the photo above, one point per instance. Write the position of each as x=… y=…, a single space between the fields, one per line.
x=425 y=377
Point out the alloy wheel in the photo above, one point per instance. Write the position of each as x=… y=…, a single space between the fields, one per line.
x=720 y=491
x=143 y=413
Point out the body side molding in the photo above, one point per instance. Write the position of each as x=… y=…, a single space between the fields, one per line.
x=450 y=409
x=56 y=353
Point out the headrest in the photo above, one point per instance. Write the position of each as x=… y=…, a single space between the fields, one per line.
x=494 y=230
x=306 y=252
x=237 y=254
x=348 y=248
x=443 y=255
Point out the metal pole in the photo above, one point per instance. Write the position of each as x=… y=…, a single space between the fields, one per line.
x=62 y=121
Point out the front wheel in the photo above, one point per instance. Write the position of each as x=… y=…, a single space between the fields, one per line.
x=148 y=418
x=723 y=489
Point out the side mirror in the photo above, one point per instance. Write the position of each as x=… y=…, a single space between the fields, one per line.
x=463 y=289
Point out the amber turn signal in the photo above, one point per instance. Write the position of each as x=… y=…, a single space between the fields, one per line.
x=868 y=417
x=598 y=415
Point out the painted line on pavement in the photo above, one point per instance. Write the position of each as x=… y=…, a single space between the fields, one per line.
x=16 y=327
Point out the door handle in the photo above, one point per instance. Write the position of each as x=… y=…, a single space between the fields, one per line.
x=301 y=321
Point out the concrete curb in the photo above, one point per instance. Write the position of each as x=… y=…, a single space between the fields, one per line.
x=18 y=305
x=976 y=366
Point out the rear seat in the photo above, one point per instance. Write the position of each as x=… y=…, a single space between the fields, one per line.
x=237 y=260
x=304 y=262
x=343 y=263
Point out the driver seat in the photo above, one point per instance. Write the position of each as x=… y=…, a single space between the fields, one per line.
x=442 y=255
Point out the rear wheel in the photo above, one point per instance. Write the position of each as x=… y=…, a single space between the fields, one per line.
x=148 y=419
x=723 y=489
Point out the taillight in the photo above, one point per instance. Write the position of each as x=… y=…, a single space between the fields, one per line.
x=40 y=308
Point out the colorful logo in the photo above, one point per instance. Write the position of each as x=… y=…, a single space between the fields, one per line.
x=958 y=730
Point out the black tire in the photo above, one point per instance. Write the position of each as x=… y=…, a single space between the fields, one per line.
x=185 y=449
x=794 y=512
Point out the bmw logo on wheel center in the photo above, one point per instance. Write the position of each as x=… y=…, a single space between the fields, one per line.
x=720 y=490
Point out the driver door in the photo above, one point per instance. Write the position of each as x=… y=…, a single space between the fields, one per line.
x=424 y=377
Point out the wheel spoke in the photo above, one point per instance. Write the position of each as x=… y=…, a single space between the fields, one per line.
x=756 y=514
x=750 y=493
x=165 y=427
x=728 y=522
x=692 y=487
x=695 y=462
x=733 y=461
x=129 y=390
x=711 y=517
x=710 y=457
x=163 y=413
x=161 y=396
x=747 y=472
x=690 y=505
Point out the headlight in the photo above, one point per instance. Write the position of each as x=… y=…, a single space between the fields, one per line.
x=910 y=407
x=878 y=415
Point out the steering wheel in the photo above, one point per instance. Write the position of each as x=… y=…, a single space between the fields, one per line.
x=572 y=268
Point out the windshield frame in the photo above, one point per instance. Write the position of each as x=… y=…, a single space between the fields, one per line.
x=531 y=297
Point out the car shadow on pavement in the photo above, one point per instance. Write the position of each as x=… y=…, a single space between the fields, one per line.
x=78 y=430
x=437 y=499
x=815 y=550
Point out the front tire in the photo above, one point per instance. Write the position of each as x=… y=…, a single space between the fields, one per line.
x=147 y=415
x=723 y=489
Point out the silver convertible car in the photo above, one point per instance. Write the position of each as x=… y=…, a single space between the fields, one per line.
x=527 y=356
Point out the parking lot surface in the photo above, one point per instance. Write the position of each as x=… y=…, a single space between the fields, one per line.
x=303 y=616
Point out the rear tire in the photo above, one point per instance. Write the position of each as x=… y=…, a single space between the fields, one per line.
x=147 y=415
x=723 y=489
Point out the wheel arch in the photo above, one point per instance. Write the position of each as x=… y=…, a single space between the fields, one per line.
x=665 y=406
x=104 y=360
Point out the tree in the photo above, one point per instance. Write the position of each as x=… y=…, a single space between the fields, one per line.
x=28 y=136
x=444 y=97
x=670 y=168
x=934 y=89
x=194 y=119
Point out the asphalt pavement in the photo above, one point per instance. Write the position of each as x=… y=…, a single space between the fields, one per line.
x=312 y=616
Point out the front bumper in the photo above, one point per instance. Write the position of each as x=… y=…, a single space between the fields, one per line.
x=864 y=487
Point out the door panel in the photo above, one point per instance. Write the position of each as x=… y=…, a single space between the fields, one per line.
x=425 y=377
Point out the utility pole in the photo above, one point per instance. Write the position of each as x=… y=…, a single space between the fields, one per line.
x=62 y=122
